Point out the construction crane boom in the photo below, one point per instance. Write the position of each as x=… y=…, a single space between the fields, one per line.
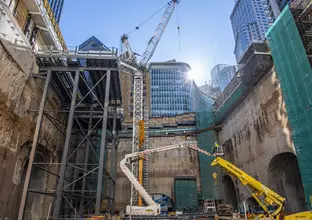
x=130 y=58
x=153 y=42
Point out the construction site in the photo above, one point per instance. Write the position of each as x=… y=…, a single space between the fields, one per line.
x=77 y=139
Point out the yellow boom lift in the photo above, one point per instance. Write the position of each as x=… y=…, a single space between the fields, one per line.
x=262 y=194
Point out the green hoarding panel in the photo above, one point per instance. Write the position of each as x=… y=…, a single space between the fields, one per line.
x=295 y=76
x=186 y=198
x=209 y=189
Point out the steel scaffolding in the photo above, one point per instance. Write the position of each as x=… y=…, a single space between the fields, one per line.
x=90 y=97
x=302 y=13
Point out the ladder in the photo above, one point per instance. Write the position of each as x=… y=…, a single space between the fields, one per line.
x=146 y=146
x=209 y=206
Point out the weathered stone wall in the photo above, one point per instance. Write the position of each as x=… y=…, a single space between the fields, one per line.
x=163 y=168
x=20 y=93
x=255 y=132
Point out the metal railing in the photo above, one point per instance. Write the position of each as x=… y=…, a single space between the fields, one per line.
x=74 y=51
x=300 y=4
x=229 y=89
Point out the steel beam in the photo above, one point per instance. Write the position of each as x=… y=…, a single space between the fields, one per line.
x=111 y=202
x=56 y=69
x=103 y=145
x=81 y=56
x=56 y=210
x=34 y=146
x=137 y=117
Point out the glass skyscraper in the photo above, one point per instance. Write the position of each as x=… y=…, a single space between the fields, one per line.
x=249 y=24
x=221 y=75
x=172 y=92
x=57 y=8
x=274 y=8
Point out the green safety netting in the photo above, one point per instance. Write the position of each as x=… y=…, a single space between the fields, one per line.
x=295 y=76
x=209 y=189
x=229 y=104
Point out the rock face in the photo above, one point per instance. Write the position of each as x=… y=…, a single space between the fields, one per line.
x=20 y=93
x=257 y=138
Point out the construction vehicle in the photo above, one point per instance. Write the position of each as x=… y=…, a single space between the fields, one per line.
x=258 y=191
x=153 y=208
x=262 y=194
x=163 y=202
x=129 y=63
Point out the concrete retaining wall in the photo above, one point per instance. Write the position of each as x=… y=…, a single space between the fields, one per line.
x=255 y=132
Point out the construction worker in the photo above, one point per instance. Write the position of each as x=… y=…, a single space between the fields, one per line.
x=215 y=147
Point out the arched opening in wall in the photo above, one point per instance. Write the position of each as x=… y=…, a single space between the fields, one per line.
x=285 y=179
x=230 y=196
x=35 y=208
x=252 y=205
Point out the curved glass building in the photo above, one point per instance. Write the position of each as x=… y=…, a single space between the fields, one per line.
x=172 y=92
x=221 y=75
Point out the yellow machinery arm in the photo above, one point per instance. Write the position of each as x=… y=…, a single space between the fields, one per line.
x=257 y=189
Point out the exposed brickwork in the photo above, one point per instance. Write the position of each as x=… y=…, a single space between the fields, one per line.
x=20 y=93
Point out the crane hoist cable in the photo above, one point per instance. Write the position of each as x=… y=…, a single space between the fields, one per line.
x=146 y=20
x=178 y=27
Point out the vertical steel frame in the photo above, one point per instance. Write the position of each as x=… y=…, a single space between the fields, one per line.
x=60 y=184
x=113 y=166
x=137 y=117
x=34 y=146
x=85 y=167
x=103 y=145
x=88 y=124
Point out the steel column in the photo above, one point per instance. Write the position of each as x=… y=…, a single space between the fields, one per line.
x=137 y=117
x=111 y=202
x=56 y=210
x=81 y=210
x=34 y=146
x=103 y=145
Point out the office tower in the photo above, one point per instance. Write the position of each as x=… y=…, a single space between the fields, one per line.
x=172 y=92
x=273 y=9
x=221 y=75
x=249 y=24
x=57 y=8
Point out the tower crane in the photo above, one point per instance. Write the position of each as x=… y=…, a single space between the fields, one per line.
x=129 y=63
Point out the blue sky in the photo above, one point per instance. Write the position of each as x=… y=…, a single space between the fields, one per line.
x=205 y=30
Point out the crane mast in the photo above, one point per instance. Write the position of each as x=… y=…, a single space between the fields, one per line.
x=129 y=64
